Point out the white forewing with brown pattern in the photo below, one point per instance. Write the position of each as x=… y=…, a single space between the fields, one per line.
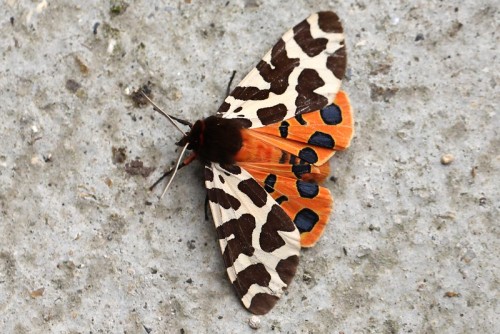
x=301 y=73
x=259 y=242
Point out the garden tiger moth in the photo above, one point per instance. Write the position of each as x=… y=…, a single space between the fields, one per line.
x=266 y=151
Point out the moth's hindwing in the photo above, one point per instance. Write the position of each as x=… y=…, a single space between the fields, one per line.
x=301 y=73
x=283 y=155
x=308 y=204
x=259 y=242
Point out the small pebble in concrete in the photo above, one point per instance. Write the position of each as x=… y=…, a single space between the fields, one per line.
x=447 y=159
x=452 y=294
x=254 y=322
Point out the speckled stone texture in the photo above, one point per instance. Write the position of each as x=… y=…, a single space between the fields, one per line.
x=412 y=246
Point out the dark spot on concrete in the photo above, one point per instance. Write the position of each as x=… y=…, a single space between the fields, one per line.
x=118 y=155
x=72 y=85
x=136 y=167
x=378 y=93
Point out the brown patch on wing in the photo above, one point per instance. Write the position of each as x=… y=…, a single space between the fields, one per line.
x=254 y=191
x=276 y=75
x=262 y=303
x=277 y=220
x=224 y=107
x=241 y=243
x=329 y=22
x=222 y=198
x=307 y=100
x=283 y=67
x=272 y=114
x=209 y=174
x=250 y=93
x=337 y=63
x=286 y=268
x=253 y=274
x=233 y=169
x=244 y=122
x=311 y=46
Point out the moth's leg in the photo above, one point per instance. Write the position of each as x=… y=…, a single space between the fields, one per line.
x=186 y=162
x=206 y=207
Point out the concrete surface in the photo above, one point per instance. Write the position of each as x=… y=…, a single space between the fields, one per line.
x=84 y=248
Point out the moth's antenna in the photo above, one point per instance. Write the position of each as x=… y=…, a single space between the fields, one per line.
x=170 y=118
x=179 y=160
x=228 y=89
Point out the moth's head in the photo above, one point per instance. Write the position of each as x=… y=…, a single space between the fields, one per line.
x=194 y=138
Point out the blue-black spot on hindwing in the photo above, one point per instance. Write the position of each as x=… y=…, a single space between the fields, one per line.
x=321 y=139
x=305 y=220
x=331 y=114
x=284 y=129
x=254 y=191
x=281 y=199
x=283 y=157
x=307 y=189
x=269 y=183
x=299 y=170
x=309 y=155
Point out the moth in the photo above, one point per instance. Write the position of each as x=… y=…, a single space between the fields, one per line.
x=266 y=152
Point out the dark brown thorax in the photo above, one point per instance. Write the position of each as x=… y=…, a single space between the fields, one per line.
x=215 y=139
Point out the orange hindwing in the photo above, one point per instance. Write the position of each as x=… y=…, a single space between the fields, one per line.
x=290 y=158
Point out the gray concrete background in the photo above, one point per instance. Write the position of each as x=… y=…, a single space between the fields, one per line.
x=412 y=246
